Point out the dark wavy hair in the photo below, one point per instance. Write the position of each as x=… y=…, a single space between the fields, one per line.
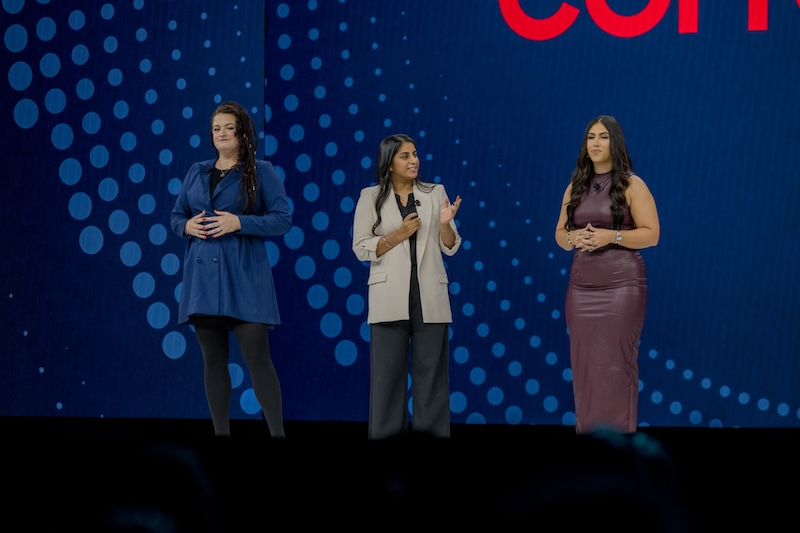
x=386 y=152
x=248 y=144
x=620 y=174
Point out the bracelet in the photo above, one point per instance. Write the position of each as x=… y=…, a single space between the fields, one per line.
x=619 y=237
x=387 y=242
x=569 y=241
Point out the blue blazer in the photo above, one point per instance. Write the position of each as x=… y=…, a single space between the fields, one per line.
x=389 y=279
x=230 y=276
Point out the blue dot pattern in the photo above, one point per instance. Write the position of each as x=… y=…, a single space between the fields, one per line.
x=123 y=117
x=329 y=106
x=360 y=91
x=112 y=101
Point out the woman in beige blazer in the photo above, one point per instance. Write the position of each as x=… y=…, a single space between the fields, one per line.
x=402 y=226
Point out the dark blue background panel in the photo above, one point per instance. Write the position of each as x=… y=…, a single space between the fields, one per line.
x=107 y=105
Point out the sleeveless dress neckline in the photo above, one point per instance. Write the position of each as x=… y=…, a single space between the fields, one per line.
x=601 y=180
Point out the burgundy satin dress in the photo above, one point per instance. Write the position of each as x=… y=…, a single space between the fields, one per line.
x=605 y=309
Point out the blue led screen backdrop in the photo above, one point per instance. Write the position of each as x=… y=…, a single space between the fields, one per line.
x=106 y=105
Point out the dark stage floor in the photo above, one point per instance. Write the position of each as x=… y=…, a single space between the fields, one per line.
x=108 y=475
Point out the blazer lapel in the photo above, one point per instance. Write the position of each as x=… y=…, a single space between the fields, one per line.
x=391 y=213
x=229 y=179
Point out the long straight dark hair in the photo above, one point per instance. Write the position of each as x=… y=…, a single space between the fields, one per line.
x=386 y=152
x=620 y=173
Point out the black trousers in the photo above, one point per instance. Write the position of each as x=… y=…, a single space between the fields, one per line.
x=396 y=347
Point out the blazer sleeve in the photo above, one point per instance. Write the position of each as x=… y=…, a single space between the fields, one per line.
x=181 y=211
x=365 y=243
x=275 y=217
x=445 y=250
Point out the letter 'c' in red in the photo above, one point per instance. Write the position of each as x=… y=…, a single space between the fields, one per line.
x=537 y=29
x=606 y=19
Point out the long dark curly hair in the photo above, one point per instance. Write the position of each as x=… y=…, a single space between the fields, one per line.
x=620 y=173
x=248 y=144
x=386 y=152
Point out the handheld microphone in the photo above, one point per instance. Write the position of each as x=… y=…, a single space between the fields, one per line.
x=597 y=186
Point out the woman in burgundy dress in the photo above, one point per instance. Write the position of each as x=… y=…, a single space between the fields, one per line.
x=607 y=215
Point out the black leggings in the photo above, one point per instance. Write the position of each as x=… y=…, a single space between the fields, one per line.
x=212 y=335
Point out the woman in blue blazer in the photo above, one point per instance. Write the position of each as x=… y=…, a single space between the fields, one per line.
x=403 y=226
x=225 y=209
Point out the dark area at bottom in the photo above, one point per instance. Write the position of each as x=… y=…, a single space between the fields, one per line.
x=172 y=476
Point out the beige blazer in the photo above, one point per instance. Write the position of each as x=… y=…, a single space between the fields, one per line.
x=389 y=278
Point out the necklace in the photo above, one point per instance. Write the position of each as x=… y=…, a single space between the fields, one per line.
x=223 y=173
